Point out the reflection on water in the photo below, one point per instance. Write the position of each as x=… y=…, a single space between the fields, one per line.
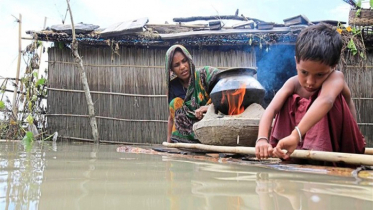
x=87 y=176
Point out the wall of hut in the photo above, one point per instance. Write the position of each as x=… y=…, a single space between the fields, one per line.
x=128 y=90
x=359 y=77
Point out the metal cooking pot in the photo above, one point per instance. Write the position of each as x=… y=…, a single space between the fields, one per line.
x=233 y=79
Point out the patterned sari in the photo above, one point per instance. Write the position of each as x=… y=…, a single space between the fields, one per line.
x=181 y=110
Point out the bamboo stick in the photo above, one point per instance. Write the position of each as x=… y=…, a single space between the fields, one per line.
x=108 y=118
x=107 y=93
x=41 y=48
x=368 y=151
x=356 y=159
x=108 y=65
x=15 y=107
x=79 y=63
x=104 y=141
x=135 y=66
x=362 y=98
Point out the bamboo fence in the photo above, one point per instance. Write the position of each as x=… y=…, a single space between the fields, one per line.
x=128 y=90
x=359 y=77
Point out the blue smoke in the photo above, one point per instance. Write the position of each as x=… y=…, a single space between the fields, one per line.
x=275 y=66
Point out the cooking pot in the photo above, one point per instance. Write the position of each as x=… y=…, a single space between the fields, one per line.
x=233 y=79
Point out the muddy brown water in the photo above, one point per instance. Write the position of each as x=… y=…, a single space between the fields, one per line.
x=85 y=176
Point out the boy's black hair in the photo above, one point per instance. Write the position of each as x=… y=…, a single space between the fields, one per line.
x=319 y=43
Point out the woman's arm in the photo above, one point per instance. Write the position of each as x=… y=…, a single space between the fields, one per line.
x=262 y=148
x=169 y=128
x=200 y=111
x=331 y=88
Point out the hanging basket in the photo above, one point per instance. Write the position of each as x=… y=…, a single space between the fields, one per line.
x=365 y=18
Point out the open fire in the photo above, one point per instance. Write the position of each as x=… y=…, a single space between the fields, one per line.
x=235 y=90
x=234 y=99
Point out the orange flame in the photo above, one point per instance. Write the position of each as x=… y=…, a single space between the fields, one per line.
x=234 y=99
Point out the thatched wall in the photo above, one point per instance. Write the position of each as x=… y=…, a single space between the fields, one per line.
x=359 y=77
x=140 y=118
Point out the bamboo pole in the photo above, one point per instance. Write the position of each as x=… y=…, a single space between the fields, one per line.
x=107 y=118
x=108 y=93
x=105 y=141
x=136 y=66
x=79 y=62
x=15 y=107
x=356 y=159
x=41 y=47
x=368 y=151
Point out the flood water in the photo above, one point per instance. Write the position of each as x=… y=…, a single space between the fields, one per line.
x=85 y=176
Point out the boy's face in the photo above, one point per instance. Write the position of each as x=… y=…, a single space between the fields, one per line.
x=312 y=74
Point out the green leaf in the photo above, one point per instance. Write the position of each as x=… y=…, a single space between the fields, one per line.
x=30 y=119
x=28 y=140
x=34 y=98
x=362 y=54
x=2 y=105
x=358 y=3
x=353 y=30
x=357 y=14
x=39 y=43
x=61 y=45
x=30 y=105
x=35 y=74
x=29 y=137
x=371 y=4
x=40 y=82
x=352 y=47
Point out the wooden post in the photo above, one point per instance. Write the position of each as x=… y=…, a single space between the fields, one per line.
x=79 y=62
x=15 y=106
x=41 y=48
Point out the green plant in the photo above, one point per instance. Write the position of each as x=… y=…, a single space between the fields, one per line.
x=352 y=36
x=31 y=91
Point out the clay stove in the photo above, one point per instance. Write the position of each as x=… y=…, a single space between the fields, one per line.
x=233 y=119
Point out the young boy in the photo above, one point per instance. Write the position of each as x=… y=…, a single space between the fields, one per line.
x=314 y=109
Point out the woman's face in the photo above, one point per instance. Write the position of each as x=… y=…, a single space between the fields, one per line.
x=180 y=66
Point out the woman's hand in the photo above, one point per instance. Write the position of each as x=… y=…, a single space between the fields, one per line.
x=288 y=143
x=263 y=149
x=199 y=112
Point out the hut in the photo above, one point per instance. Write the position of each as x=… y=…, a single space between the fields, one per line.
x=125 y=69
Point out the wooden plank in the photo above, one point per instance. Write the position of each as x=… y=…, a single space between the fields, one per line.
x=238 y=25
x=125 y=27
x=223 y=32
x=300 y=19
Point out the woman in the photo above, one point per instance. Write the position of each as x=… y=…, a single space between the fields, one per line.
x=188 y=93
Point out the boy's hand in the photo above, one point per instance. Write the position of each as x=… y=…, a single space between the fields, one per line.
x=263 y=149
x=288 y=143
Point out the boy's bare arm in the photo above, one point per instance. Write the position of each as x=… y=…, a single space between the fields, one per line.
x=347 y=95
x=331 y=88
x=262 y=148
